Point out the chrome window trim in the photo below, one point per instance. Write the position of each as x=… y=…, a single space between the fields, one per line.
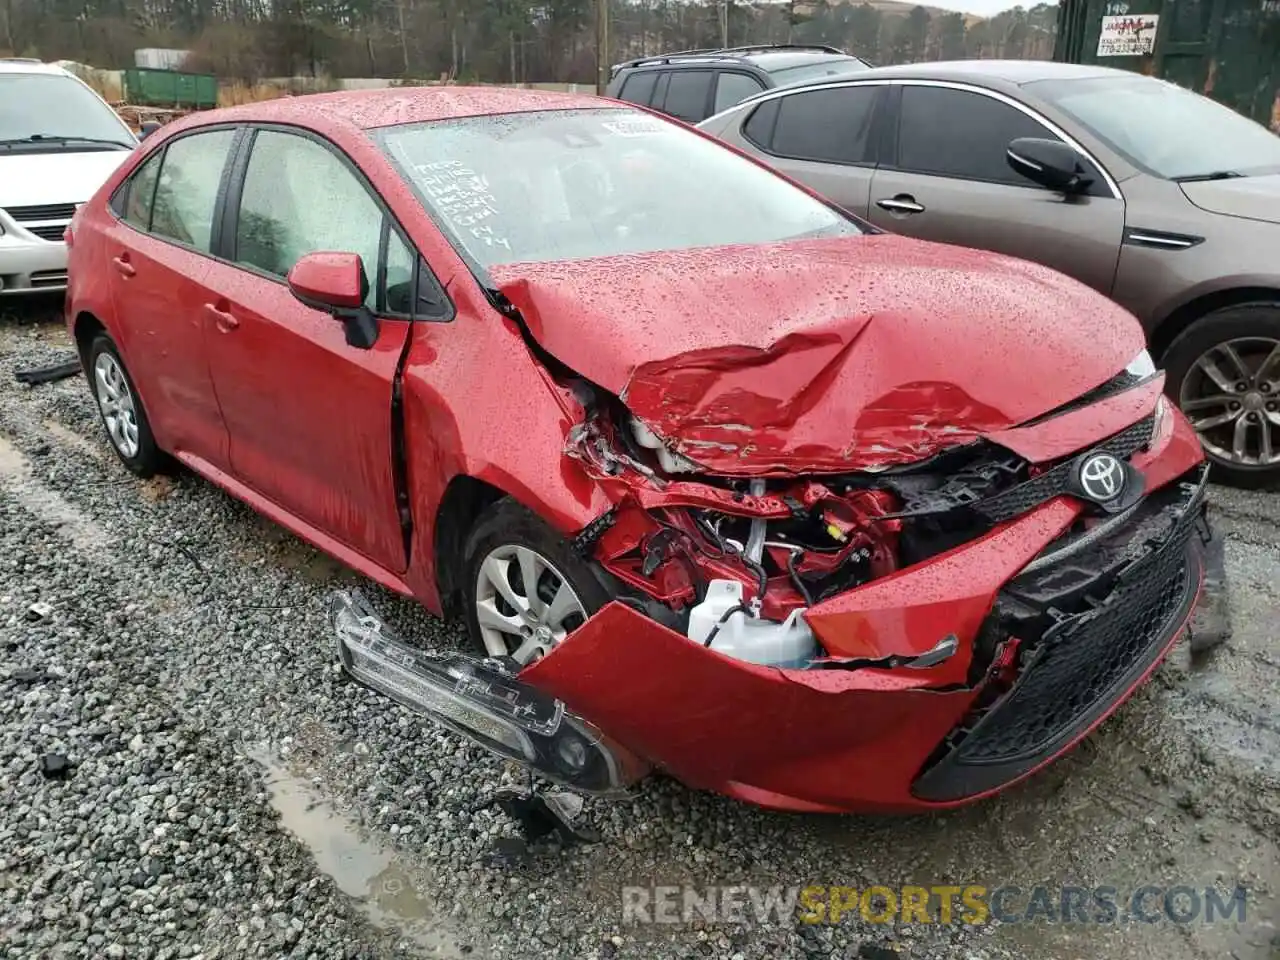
x=1018 y=105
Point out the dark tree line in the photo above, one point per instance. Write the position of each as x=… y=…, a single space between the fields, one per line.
x=490 y=40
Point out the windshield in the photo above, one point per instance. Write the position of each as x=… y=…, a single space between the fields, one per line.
x=51 y=106
x=823 y=68
x=571 y=184
x=1163 y=129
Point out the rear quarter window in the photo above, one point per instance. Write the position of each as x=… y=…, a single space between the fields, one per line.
x=759 y=126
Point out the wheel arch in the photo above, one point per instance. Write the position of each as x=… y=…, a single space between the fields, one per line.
x=465 y=499
x=1179 y=319
x=86 y=327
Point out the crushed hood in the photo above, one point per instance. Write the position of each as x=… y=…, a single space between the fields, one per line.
x=1253 y=198
x=824 y=355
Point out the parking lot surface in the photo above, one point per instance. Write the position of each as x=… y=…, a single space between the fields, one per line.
x=184 y=771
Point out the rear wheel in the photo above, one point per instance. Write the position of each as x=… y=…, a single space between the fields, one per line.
x=526 y=588
x=120 y=408
x=1224 y=373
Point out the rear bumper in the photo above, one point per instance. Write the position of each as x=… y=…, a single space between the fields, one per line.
x=901 y=739
x=31 y=265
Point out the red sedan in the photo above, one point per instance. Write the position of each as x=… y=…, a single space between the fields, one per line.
x=723 y=480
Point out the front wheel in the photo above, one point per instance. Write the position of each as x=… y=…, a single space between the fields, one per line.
x=1224 y=373
x=526 y=590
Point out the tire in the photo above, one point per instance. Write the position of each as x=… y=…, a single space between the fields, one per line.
x=1251 y=329
x=136 y=445
x=501 y=532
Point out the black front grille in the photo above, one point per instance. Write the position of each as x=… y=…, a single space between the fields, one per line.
x=50 y=231
x=48 y=211
x=49 y=278
x=1075 y=663
x=1055 y=482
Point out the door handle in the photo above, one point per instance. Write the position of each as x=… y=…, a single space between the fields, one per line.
x=123 y=266
x=902 y=203
x=226 y=321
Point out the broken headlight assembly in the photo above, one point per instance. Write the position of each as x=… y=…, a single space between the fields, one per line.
x=478 y=699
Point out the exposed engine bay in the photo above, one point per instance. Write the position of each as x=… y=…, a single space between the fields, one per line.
x=734 y=562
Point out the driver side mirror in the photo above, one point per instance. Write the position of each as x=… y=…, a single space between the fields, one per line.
x=337 y=284
x=147 y=128
x=1050 y=163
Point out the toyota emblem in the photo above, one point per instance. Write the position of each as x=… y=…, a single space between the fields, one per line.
x=1102 y=477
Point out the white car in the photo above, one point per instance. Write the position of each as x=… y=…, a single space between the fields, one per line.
x=59 y=141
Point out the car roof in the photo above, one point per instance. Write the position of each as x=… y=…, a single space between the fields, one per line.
x=766 y=56
x=27 y=65
x=781 y=60
x=976 y=71
x=391 y=106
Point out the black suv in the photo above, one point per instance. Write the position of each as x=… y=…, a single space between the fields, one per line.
x=694 y=84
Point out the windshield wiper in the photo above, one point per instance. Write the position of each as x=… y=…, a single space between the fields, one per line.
x=39 y=138
x=1215 y=175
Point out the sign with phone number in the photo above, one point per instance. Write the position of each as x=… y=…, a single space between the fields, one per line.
x=1131 y=35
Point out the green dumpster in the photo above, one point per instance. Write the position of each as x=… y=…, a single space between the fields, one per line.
x=1226 y=49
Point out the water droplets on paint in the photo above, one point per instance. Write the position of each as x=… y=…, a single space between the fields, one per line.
x=380 y=882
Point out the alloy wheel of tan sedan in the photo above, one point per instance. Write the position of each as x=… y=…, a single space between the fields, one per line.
x=524 y=605
x=1232 y=397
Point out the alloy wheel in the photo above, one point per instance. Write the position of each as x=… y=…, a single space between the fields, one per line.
x=116 y=402
x=524 y=605
x=1231 y=395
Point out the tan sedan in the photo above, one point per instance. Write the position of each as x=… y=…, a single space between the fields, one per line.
x=1164 y=200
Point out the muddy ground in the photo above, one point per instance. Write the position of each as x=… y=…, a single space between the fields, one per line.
x=229 y=794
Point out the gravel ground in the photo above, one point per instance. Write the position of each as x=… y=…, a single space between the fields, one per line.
x=227 y=793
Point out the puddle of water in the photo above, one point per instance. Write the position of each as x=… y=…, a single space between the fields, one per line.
x=16 y=477
x=373 y=876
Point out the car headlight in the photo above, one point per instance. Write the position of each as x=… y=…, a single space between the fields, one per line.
x=1141 y=366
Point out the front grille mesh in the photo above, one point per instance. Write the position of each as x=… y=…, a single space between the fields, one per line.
x=1081 y=662
x=1085 y=631
x=1054 y=482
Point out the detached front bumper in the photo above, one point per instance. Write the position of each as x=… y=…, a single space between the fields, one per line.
x=1043 y=657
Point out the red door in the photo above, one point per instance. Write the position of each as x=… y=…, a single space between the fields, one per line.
x=309 y=417
x=158 y=257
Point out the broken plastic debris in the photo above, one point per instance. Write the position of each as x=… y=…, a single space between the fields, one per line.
x=55 y=766
x=39 y=611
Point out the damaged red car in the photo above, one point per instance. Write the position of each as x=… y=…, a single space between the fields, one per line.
x=724 y=481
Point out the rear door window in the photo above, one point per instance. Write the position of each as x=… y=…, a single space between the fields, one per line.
x=638 y=88
x=829 y=126
x=960 y=134
x=687 y=94
x=733 y=88
x=187 y=194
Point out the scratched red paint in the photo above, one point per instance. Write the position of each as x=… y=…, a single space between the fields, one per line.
x=798 y=359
